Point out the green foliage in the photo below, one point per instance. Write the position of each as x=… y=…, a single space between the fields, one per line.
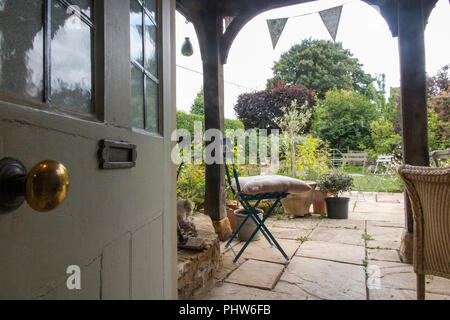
x=260 y=109
x=186 y=121
x=302 y=239
x=434 y=138
x=233 y=124
x=438 y=90
x=191 y=184
x=321 y=66
x=385 y=140
x=335 y=182
x=198 y=107
x=343 y=119
x=366 y=237
x=312 y=158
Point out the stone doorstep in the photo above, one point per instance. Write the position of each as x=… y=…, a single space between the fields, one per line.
x=258 y=274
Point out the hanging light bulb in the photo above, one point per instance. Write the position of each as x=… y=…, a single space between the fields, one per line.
x=186 y=49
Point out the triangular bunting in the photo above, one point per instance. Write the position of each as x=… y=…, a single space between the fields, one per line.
x=276 y=27
x=331 y=18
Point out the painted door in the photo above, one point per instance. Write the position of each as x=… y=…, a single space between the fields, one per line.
x=73 y=73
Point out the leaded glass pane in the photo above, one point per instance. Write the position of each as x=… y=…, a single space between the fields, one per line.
x=150 y=5
x=151 y=104
x=151 y=41
x=86 y=6
x=21 y=48
x=137 y=98
x=136 y=32
x=71 y=61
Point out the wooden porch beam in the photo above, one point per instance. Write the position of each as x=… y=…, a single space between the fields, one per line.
x=413 y=100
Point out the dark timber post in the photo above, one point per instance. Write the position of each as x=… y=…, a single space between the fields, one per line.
x=213 y=87
x=413 y=100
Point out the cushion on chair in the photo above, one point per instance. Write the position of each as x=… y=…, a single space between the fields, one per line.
x=270 y=184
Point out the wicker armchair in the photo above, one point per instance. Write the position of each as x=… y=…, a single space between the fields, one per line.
x=429 y=192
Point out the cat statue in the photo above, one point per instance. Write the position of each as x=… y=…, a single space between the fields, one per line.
x=184 y=212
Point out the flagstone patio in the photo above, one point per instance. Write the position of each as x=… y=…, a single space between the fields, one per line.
x=330 y=259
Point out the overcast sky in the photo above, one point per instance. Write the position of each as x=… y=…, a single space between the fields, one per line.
x=362 y=30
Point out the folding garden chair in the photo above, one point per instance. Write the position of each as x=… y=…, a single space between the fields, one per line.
x=258 y=188
x=385 y=161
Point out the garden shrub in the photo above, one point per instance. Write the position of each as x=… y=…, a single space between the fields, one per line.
x=260 y=109
x=343 y=119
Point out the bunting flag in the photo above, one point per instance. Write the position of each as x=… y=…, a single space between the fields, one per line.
x=276 y=27
x=331 y=18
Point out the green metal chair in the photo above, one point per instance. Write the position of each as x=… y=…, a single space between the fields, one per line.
x=245 y=200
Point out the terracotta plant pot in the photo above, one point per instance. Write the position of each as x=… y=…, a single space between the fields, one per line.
x=232 y=217
x=298 y=204
x=319 y=204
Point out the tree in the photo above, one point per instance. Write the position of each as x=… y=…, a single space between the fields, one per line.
x=343 y=119
x=438 y=90
x=260 y=109
x=321 y=65
x=293 y=122
x=198 y=107
x=439 y=83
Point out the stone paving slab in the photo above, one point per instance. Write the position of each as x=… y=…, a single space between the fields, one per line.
x=287 y=233
x=259 y=274
x=383 y=255
x=327 y=279
x=384 y=233
x=332 y=251
x=384 y=244
x=297 y=223
x=401 y=276
x=392 y=224
x=228 y=265
x=384 y=237
x=227 y=291
x=400 y=294
x=379 y=215
x=261 y=250
x=345 y=236
x=293 y=291
x=343 y=223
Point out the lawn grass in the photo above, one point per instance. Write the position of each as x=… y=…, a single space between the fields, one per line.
x=391 y=183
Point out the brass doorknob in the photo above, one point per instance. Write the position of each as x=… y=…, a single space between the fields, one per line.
x=44 y=188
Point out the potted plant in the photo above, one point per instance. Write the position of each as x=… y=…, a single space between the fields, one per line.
x=336 y=182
